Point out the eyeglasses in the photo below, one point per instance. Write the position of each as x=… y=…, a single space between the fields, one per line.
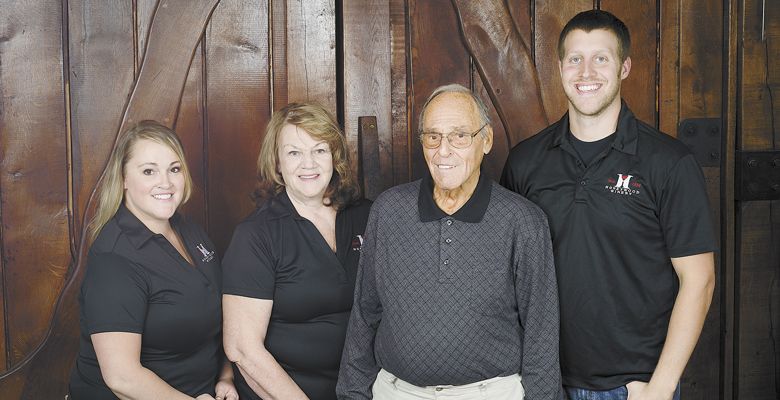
x=456 y=139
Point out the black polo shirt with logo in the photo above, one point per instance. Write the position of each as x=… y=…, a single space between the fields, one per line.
x=276 y=254
x=615 y=224
x=137 y=282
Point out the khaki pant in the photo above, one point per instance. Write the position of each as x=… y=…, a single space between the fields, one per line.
x=389 y=387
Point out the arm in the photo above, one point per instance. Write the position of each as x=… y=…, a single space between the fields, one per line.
x=245 y=325
x=225 y=389
x=119 y=355
x=697 y=281
x=359 y=368
x=536 y=290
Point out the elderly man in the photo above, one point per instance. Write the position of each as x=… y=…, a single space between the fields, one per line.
x=456 y=294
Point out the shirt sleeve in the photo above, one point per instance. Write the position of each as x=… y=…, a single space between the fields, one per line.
x=358 y=364
x=249 y=268
x=536 y=290
x=684 y=210
x=114 y=294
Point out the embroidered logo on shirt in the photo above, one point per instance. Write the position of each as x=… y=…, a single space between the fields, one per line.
x=623 y=185
x=357 y=243
x=207 y=255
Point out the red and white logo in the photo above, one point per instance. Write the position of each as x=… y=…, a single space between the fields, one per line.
x=623 y=185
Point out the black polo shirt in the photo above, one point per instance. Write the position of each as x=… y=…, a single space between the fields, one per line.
x=615 y=225
x=278 y=255
x=137 y=282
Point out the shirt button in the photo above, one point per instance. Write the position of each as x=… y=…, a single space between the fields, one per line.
x=449 y=222
x=584 y=182
x=446 y=262
x=439 y=389
x=448 y=241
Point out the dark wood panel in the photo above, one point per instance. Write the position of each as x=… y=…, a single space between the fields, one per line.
x=520 y=10
x=549 y=18
x=33 y=171
x=399 y=106
x=238 y=107
x=278 y=50
x=366 y=49
x=438 y=57
x=101 y=54
x=505 y=66
x=758 y=356
x=639 y=89
x=669 y=66
x=311 y=52
x=700 y=94
x=190 y=126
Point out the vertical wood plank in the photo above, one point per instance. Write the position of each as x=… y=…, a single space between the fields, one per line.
x=493 y=163
x=399 y=107
x=700 y=93
x=639 y=89
x=33 y=170
x=758 y=356
x=190 y=126
x=238 y=108
x=436 y=59
x=669 y=67
x=278 y=50
x=101 y=54
x=520 y=10
x=729 y=246
x=366 y=27
x=311 y=52
x=549 y=18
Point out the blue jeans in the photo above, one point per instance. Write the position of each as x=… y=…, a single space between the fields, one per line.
x=618 y=393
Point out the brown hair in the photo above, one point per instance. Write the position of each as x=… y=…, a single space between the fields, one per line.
x=110 y=190
x=320 y=124
x=598 y=19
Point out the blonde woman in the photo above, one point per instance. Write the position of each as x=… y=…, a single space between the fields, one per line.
x=290 y=269
x=150 y=301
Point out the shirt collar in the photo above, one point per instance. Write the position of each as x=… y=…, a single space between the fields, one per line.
x=472 y=211
x=280 y=206
x=625 y=134
x=135 y=230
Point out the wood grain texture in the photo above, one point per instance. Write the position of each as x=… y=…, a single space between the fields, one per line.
x=367 y=77
x=700 y=93
x=438 y=57
x=669 y=66
x=278 y=52
x=238 y=106
x=33 y=172
x=311 y=52
x=520 y=10
x=398 y=77
x=493 y=163
x=101 y=54
x=505 y=65
x=549 y=18
x=639 y=89
x=758 y=352
x=190 y=126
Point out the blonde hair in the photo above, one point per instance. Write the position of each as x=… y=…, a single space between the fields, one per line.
x=342 y=189
x=110 y=191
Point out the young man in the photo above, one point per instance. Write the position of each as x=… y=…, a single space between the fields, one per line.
x=630 y=224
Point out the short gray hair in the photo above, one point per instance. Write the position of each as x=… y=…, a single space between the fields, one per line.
x=455 y=88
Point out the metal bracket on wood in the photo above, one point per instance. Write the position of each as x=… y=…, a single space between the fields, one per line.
x=702 y=136
x=368 y=157
x=758 y=175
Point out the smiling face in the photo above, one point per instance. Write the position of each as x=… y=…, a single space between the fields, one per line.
x=153 y=183
x=453 y=168
x=306 y=164
x=591 y=72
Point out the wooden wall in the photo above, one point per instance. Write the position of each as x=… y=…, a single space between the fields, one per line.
x=72 y=72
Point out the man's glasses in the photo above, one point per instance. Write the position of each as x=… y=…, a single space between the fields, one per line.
x=457 y=139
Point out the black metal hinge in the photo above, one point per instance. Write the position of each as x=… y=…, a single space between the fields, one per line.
x=702 y=136
x=758 y=175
